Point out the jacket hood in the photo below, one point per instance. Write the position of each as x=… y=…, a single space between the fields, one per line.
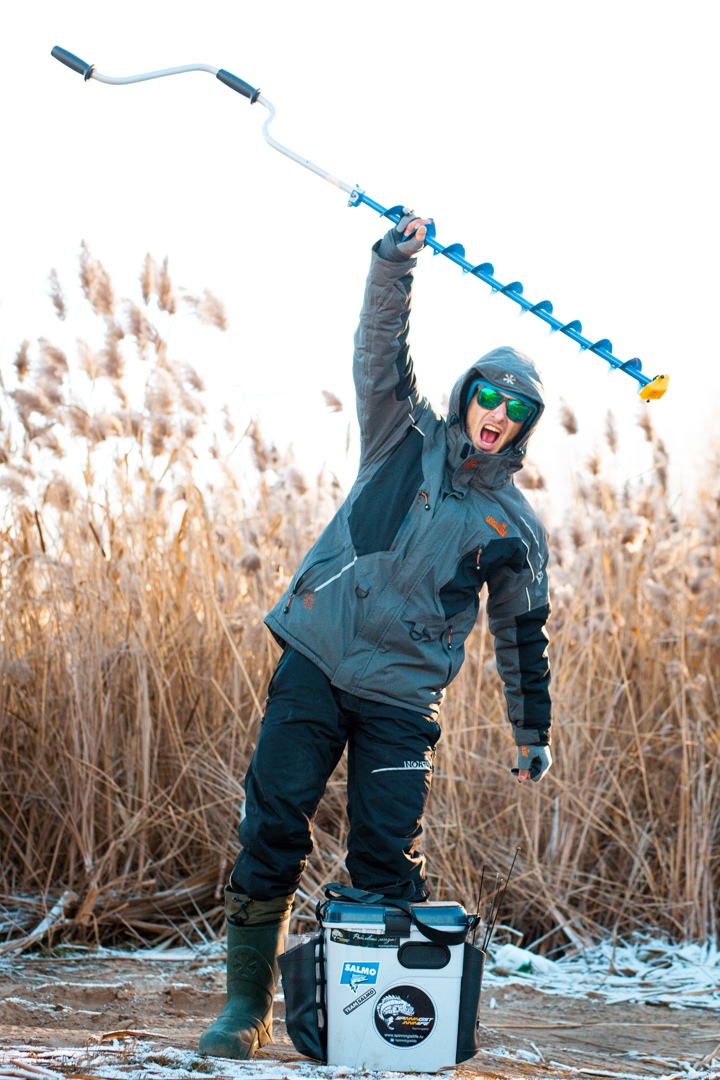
x=503 y=367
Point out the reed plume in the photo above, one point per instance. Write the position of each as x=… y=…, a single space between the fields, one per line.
x=135 y=665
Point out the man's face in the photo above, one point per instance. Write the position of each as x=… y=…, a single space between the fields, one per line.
x=490 y=429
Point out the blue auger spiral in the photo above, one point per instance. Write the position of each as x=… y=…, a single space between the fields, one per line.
x=649 y=388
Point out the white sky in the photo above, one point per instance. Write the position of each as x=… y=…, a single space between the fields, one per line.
x=571 y=144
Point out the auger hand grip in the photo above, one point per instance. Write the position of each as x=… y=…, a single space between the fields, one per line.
x=236 y=83
x=73 y=62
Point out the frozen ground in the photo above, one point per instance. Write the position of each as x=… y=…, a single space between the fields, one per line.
x=642 y=1010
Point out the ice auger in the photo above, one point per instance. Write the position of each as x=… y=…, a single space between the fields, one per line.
x=649 y=389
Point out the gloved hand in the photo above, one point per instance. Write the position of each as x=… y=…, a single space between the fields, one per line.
x=533 y=762
x=405 y=239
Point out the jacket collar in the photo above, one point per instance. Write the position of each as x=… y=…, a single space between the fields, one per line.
x=471 y=468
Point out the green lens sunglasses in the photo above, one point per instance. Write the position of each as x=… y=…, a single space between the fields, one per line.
x=489 y=398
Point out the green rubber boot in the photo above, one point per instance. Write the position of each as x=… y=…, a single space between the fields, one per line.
x=257 y=934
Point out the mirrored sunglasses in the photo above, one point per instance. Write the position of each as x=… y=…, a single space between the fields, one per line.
x=489 y=398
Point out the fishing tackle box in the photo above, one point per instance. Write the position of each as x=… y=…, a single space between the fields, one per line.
x=385 y=987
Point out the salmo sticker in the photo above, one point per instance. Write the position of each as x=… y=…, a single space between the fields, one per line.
x=366 y=941
x=357 y=975
x=358 y=1001
x=404 y=1016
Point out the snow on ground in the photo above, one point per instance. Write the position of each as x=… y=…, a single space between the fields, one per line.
x=646 y=971
x=141 y=1062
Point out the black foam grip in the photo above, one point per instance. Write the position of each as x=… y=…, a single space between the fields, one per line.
x=73 y=62
x=236 y=83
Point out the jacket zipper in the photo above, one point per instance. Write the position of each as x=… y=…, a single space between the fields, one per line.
x=296 y=587
x=449 y=647
x=406 y=523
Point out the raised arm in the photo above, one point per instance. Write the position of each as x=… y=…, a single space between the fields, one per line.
x=385 y=382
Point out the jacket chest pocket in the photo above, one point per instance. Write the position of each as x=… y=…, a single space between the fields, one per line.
x=319 y=573
x=475 y=567
x=464 y=587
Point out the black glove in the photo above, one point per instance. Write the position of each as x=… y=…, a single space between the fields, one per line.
x=395 y=246
x=536 y=759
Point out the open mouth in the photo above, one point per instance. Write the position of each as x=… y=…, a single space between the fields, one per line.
x=489 y=434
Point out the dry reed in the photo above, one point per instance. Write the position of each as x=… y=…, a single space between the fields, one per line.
x=135 y=664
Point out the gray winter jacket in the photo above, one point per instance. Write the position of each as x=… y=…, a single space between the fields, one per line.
x=386 y=597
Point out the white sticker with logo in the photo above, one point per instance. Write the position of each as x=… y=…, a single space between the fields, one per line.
x=357 y=975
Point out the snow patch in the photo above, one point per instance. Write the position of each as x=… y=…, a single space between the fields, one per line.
x=142 y=1062
x=647 y=970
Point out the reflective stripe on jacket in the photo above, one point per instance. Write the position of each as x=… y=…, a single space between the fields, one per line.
x=385 y=599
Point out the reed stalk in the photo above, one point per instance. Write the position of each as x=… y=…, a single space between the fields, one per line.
x=135 y=576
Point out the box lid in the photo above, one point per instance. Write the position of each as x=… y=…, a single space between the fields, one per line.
x=442 y=914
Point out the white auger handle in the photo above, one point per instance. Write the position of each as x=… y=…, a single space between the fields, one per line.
x=89 y=71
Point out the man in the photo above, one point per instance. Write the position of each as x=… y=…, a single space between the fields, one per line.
x=373 y=629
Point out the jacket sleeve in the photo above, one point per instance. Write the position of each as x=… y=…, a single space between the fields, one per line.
x=385 y=383
x=518 y=609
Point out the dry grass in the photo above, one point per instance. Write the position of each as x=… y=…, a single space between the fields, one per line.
x=134 y=663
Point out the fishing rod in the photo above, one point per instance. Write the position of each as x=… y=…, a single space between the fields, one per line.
x=476 y=920
x=649 y=388
x=491 y=908
x=491 y=924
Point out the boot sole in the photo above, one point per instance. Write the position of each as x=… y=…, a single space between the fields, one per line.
x=227 y=1047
